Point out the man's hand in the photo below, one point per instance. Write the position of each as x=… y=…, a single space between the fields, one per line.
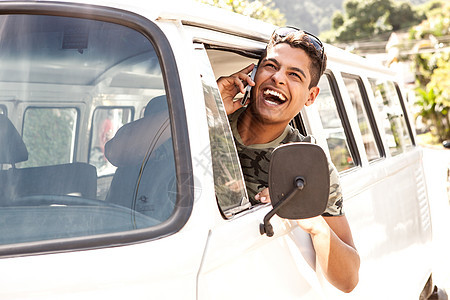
x=314 y=225
x=263 y=196
x=230 y=86
x=333 y=243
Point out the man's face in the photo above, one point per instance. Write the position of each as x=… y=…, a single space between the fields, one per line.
x=281 y=85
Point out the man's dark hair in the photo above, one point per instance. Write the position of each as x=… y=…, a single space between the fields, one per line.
x=298 y=39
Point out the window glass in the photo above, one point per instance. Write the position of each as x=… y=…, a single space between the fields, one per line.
x=332 y=125
x=354 y=91
x=2 y=110
x=105 y=123
x=49 y=135
x=228 y=180
x=82 y=165
x=388 y=102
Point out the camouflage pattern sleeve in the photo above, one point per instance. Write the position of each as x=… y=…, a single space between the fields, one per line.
x=335 y=200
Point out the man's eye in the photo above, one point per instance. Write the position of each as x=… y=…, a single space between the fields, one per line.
x=296 y=75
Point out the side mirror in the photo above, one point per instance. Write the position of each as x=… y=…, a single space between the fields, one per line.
x=299 y=183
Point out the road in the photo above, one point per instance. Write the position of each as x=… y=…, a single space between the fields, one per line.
x=436 y=164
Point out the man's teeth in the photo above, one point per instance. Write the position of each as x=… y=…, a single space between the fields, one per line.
x=271 y=102
x=276 y=94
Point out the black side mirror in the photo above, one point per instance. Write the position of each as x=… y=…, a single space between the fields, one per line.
x=299 y=183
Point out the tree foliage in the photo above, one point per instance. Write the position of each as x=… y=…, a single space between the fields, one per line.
x=364 y=18
x=259 y=9
x=437 y=22
x=48 y=134
x=433 y=69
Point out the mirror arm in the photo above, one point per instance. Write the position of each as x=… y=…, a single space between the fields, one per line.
x=266 y=227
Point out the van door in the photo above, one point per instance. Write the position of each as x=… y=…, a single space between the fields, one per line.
x=239 y=262
x=73 y=225
x=383 y=184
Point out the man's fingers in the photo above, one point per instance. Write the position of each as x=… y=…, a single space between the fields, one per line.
x=244 y=76
x=263 y=196
x=247 y=69
x=238 y=83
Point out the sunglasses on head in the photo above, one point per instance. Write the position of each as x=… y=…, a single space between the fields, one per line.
x=314 y=40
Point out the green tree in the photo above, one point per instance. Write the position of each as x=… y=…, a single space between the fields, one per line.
x=48 y=135
x=337 y=20
x=437 y=21
x=433 y=69
x=259 y=9
x=364 y=18
x=434 y=98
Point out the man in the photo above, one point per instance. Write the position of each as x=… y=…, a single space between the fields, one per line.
x=285 y=81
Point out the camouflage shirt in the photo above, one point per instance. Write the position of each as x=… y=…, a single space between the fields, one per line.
x=255 y=161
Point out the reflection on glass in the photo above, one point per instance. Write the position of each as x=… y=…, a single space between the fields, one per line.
x=228 y=180
x=363 y=120
x=74 y=85
x=389 y=106
x=332 y=125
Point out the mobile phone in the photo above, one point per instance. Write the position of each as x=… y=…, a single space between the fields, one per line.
x=249 y=87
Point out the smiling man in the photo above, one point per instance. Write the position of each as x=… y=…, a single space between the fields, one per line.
x=286 y=81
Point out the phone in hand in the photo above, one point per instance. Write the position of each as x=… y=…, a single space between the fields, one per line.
x=249 y=87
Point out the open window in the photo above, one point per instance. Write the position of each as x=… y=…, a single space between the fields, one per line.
x=231 y=194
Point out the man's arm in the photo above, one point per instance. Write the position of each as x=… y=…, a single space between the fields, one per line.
x=335 y=250
x=333 y=243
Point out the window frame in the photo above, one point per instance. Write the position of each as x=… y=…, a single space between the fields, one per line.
x=342 y=112
x=405 y=114
x=244 y=204
x=369 y=113
x=184 y=175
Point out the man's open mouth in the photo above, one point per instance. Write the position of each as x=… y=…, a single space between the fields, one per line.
x=274 y=98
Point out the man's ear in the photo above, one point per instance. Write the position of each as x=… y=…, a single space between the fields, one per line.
x=313 y=92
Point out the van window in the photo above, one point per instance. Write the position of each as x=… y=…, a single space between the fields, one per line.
x=332 y=125
x=59 y=183
x=357 y=94
x=229 y=184
x=2 y=110
x=105 y=123
x=49 y=135
x=388 y=102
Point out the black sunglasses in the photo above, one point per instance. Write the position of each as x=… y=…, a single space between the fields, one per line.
x=317 y=43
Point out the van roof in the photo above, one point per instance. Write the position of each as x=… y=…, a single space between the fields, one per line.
x=190 y=12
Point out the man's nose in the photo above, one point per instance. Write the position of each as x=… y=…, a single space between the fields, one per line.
x=279 y=77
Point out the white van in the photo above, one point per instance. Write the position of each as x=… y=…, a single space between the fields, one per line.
x=120 y=179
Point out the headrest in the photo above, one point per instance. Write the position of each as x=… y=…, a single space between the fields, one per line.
x=156 y=105
x=137 y=139
x=12 y=147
